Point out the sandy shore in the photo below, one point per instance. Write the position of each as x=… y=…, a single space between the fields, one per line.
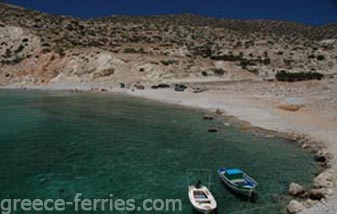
x=267 y=106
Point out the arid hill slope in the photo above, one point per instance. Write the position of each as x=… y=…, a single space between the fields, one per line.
x=38 y=48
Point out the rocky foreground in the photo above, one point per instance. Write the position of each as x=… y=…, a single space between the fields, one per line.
x=224 y=64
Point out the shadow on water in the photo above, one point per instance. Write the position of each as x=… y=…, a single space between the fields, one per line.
x=253 y=198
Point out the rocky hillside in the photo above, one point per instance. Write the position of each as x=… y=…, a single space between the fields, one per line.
x=39 y=49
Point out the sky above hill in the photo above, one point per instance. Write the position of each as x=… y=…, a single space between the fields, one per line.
x=314 y=12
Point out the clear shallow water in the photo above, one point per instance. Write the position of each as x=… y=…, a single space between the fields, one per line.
x=55 y=144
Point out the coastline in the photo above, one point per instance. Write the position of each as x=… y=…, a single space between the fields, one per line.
x=257 y=112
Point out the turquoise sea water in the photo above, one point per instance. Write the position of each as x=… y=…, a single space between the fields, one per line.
x=56 y=144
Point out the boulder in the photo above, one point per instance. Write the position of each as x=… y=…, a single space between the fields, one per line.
x=329 y=156
x=324 y=180
x=219 y=111
x=295 y=189
x=305 y=146
x=295 y=207
x=309 y=203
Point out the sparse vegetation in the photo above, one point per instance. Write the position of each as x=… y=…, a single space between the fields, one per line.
x=219 y=72
x=168 y=62
x=320 y=57
x=183 y=43
x=297 y=76
x=19 y=49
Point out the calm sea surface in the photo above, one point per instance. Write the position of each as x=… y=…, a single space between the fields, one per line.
x=57 y=144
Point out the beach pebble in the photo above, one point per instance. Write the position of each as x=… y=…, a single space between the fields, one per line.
x=295 y=207
x=295 y=189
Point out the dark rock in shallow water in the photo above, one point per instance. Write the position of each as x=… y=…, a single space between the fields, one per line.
x=316 y=194
x=213 y=129
x=208 y=117
x=320 y=158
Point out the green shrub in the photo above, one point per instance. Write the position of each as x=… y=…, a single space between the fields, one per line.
x=266 y=61
x=230 y=58
x=298 y=76
x=168 y=62
x=320 y=57
x=61 y=52
x=20 y=48
x=16 y=60
x=130 y=50
x=219 y=72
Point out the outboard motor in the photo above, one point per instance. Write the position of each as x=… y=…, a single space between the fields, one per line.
x=198 y=184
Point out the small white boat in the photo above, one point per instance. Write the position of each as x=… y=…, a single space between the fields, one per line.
x=201 y=199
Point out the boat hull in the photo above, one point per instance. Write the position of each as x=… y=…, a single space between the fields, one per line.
x=200 y=207
x=247 y=192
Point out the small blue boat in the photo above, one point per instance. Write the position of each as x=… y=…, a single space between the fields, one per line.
x=238 y=181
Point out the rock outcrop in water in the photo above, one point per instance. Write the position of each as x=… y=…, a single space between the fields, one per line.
x=296 y=189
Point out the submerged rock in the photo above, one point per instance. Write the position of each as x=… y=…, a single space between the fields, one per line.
x=296 y=189
x=208 y=117
x=320 y=158
x=295 y=207
x=213 y=129
x=317 y=194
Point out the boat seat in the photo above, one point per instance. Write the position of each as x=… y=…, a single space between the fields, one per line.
x=203 y=200
x=239 y=181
